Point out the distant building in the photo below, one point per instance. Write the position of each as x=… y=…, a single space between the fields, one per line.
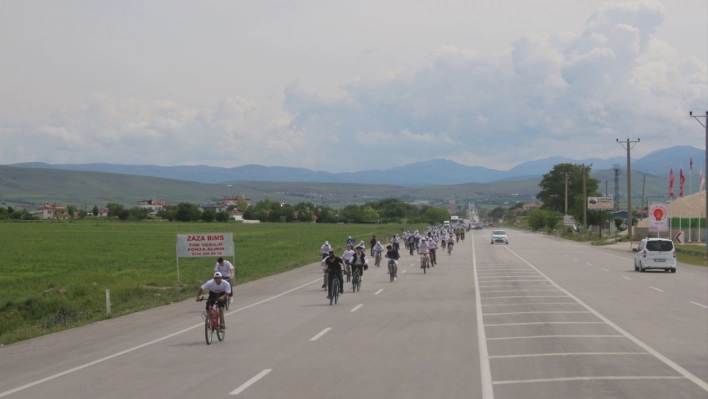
x=531 y=205
x=215 y=207
x=226 y=201
x=51 y=212
x=153 y=204
x=236 y=215
x=103 y=212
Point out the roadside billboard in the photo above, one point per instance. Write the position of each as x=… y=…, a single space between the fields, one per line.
x=568 y=220
x=209 y=244
x=600 y=204
x=658 y=217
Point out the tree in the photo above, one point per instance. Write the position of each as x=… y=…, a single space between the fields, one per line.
x=187 y=212
x=223 y=216
x=114 y=208
x=537 y=219
x=208 y=215
x=552 y=185
x=241 y=204
x=95 y=210
x=497 y=213
x=552 y=218
x=71 y=210
x=435 y=215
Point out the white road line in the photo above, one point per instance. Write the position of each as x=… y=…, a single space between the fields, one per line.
x=557 y=336
x=589 y=264
x=576 y=259
x=569 y=311
x=485 y=292
x=590 y=379
x=654 y=288
x=323 y=332
x=378 y=292
x=626 y=277
x=692 y=377
x=526 y=296
x=544 y=323
x=604 y=269
x=703 y=306
x=404 y=271
x=250 y=382
x=513 y=281
x=530 y=276
x=571 y=354
x=485 y=368
x=532 y=303
x=357 y=307
x=690 y=274
x=103 y=359
x=508 y=285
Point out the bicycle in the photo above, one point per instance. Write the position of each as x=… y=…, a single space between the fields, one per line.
x=356 y=280
x=348 y=271
x=335 y=291
x=211 y=323
x=449 y=249
x=392 y=270
x=424 y=262
x=378 y=258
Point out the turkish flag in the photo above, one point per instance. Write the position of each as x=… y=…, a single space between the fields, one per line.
x=671 y=183
x=681 y=180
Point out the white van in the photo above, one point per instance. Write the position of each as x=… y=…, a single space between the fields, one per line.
x=655 y=253
x=446 y=223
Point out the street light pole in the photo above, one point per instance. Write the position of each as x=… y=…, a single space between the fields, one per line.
x=628 y=147
x=585 y=200
x=705 y=125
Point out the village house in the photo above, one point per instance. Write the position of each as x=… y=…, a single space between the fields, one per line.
x=531 y=205
x=51 y=212
x=153 y=205
x=226 y=201
x=236 y=215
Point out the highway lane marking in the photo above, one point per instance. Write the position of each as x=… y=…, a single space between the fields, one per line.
x=508 y=277
x=576 y=259
x=589 y=264
x=528 y=296
x=485 y=367
x=703 y=306
x=571 y=354
x=379 y=291
x=103 y=359
x=514 y=281
x=687 y=374
x=357 y=307
x=520 y=290
x=250 y=382
x=654 y=288
x=544 y=323
x=565 y=311
x=532 y=303
x=404 y=271
x=507 y=285
x=629 y=377
x=604 y=269
x=557 y=336
x=626 y=277
x=323 y=332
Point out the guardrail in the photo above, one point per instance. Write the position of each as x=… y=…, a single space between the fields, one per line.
x=694 y=253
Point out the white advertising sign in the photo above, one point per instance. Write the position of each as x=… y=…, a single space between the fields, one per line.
x=600 y=204
x=658 y=217
x=568 y=220
x=205 y=244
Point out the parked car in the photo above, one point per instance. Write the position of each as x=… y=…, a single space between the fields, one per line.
x=500 y=236
x=655 y=253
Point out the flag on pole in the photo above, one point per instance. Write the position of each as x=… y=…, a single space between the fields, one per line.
x=701 y=180
x=671 y=183
x=681 y=180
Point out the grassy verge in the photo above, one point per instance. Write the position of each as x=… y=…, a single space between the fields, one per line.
x=53 y=275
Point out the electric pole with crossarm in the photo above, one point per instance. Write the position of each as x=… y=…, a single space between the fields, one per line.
x=628 y=146
x=705 y=125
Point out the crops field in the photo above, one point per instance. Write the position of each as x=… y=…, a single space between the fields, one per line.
x=54 y=274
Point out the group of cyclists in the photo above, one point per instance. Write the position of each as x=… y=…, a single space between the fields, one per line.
x=353 y=261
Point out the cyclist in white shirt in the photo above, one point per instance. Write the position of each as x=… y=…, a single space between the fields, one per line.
x=378 y=250
x=432 y=246
x=324 y=250
x=227 y=271
x=423 y=251
x=219 y=290
x=347 y=257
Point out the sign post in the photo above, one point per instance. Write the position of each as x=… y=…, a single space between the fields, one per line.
x=204 y=245
x=658 y=218
x=679 y=237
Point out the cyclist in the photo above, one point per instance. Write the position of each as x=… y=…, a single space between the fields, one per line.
x=423 y=251
x=227 y=271
x=347 y=258
x=443 y=239
x=334 y=265
x=432 y=246
x=350 y=241
x=358 y=261
x=324 y=249
x=395 y=242
x=411 y=244
x=378 y=251
x=450 y=245
x=393 y=256
x=219 y=290
x=373 y=242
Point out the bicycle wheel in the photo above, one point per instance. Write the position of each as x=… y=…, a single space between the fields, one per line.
x=336 y=293
x=220 y=334
x=228 y=299
x=391 y=275
x=208 y=333
x=358 y=285
x=424 y=267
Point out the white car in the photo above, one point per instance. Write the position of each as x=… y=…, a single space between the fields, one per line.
x=500 y=236
x=655 y=253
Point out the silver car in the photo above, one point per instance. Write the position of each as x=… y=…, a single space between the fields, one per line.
x=500 y=236
x=655 y=253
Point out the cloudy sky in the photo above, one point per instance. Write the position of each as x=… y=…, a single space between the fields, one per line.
x=346 y=86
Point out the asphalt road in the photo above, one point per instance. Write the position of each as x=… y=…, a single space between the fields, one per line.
x=538 y=318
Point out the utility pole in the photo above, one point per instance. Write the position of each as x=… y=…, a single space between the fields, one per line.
x=641 y=209
x=585 y=200
x=628 y=147
x=566 y=193
x=705 y=125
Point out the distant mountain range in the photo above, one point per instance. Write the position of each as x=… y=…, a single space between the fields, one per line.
x=426 y=173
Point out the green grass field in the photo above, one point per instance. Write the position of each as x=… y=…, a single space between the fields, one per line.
x=54 y=275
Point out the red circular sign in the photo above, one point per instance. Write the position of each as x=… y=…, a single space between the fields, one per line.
x=658 y=213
